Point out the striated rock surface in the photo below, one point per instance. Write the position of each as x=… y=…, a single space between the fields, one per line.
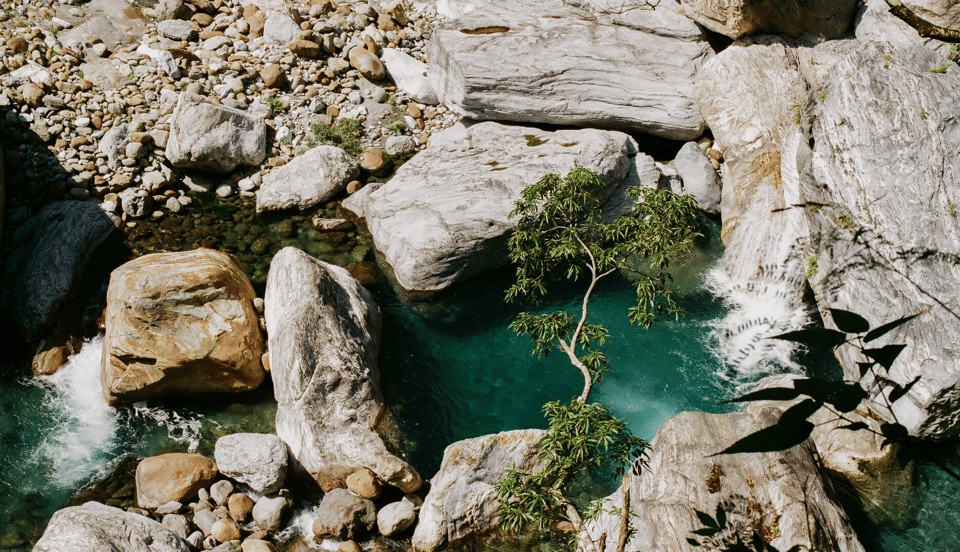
x=886 y=235
x=256 y=460
x=212 y=137
x=173 y=477
x=53 y=247
x=307 y=180
x=180 y=323
x=544 y=61
x=780 y=494
x=876 y=23
x=461 y=505
x=324 y=336
x=94 y=527
x=419 y=219
x=409 y=75
x=814 y=20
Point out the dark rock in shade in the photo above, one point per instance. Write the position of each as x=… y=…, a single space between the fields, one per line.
x=324 y=337
x=885 y=241
x=344 y=515
x=813 y=20
x=94 y=527
x=54 y=246
x=3 y=192
x=777 y=494
x=571 y=63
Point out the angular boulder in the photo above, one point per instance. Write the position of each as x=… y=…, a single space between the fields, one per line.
x=875 y=23
x=256 y=460
x=698 y=177
x=52 y=249
x=344 y=515
x=410 y=75
x=545 y=61
x=307 y=180
x=884 y=240
x=420 y=220
x=814 y=20
x=180 y=323
x=211 y=137
x=461 y=504
x=778 y=494
x=324 y=336
x=173 y=477
x=94 y=527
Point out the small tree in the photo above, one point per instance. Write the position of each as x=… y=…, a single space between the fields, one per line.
x=561 y=233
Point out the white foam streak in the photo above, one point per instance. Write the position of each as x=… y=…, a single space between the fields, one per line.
x=180 y=429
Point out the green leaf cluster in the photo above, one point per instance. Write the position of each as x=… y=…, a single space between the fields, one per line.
x=343 y=133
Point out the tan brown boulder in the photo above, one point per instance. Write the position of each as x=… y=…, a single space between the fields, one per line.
x=305 y=48
x=180 y=323
x=364 y=483
x=175 y=476
x=225 y=530
x=367 y=63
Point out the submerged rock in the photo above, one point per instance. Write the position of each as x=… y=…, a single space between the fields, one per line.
x=542 y=61
x=211 y=137
x=54 y=247
x=461 y=504
x=324 y=337
x=94 y=527
x=180 y=323
x=883 y=229
x=779 y=495
x=420 y=220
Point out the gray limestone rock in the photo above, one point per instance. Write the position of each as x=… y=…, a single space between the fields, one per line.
x=885 y=241
x=409 y=75
x=814 y=20
x=178 y=524
x=256 y=460
x=344 y=515
x=698 y=177
x=758 y=491
x=269 y=513
x=210 y=137
x=543 y=61
x=307 y=180
x=136 y=202
x=418 y=219
x=324 y=337
x=94 y=527
x=876 y=23
x=54 y=247
x=176 y=29
x=114 y=143
x=461 y=504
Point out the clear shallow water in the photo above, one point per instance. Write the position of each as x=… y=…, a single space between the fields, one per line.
x=450 y=369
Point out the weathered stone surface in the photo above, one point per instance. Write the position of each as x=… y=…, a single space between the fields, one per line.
x=409 y=75
x=395 y=518
x=324 y=337
x=211 y=137
x=240 y=506
x=698 y=177
x=94 y=527
x=53 y=247
x=876 y=23
x=366 y=63
x=461 y=504
x=758 y=491
x=176 y=29
x=418 y=220
x=269 y=513
x=815 y=20
x=180 y=323
x=363 y=483
x=885 y=241
x=256 y=460
x=307 y=180
x=344 y=515
x=545 y=61
x=175 y=476
x=225 y=530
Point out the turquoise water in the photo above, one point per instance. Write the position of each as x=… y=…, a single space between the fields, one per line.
x=450 y=370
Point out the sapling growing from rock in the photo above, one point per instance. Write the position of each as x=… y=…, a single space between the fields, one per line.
x=561 y=234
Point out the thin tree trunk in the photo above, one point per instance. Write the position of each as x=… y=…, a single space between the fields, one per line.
x=577 y=522
x=625 y=515
x=923 y=27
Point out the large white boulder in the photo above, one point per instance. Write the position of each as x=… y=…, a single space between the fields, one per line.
x=876 y=23
x=256 y=460
x=211 y=137
x=444 y=216
x=410 y=75
x=94 y=527
x=309 y=179
x=324 y=337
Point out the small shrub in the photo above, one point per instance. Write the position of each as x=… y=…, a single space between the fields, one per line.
x=276 y=105
x=811 y=266
x=845 y=222
x=940 y=70
x=344 y=133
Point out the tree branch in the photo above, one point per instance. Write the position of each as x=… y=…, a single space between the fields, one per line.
x=923 y=27
x=578 y=526
x=625 y=515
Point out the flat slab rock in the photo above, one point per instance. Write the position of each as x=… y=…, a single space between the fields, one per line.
x=94 y=527
x=461 y=504
x=308 y=179
x=814 y=20
x=180 y=323
x=544 y=61
x=54 y=246
x=211 y=137
x=420 y=219
x=758 y=491
x=324 y=337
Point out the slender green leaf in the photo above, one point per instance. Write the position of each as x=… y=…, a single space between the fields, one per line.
x=820 y=337
x=849 y=322
x=896 y=394
x=706 y=519
x=769 y=394
x=885 y=355
x=882 y=330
